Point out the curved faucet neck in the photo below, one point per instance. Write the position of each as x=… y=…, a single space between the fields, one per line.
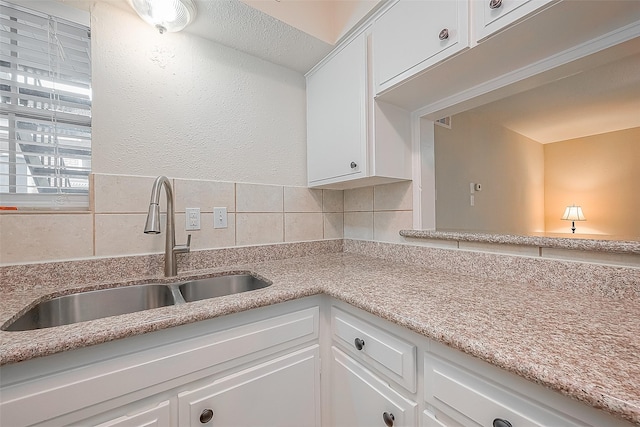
x=170 y=263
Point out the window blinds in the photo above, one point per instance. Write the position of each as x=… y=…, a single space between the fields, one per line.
x=45 y=121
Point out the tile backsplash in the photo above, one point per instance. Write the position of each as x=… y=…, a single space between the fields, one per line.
x=256 y=214
x=378 y=213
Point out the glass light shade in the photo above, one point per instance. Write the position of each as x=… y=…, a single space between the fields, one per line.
x=166 y=15
x=573 y=213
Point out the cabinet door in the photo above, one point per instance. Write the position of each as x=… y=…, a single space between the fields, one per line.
x=413 y=35
x=159 y=416
x=490 y=16
x=360 y=398
x=279 y=393
x=337 y=114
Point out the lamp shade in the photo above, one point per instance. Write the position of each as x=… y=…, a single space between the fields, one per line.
x=166 y=15
x=573 y=213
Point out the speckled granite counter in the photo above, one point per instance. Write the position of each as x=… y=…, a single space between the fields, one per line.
x=544 y=241
x=581 y=344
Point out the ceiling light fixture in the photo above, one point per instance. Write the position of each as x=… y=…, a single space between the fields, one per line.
x=166 y=15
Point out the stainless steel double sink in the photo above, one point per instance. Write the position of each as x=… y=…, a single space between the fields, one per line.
x=91 y=305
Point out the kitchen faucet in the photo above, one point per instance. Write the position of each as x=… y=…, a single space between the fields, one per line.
x=153 y=226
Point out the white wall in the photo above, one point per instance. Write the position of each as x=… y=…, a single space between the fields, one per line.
x=186 y=107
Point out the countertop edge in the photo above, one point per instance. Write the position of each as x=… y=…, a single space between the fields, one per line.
x=583 y=244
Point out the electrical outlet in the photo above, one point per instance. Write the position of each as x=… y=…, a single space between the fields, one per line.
x=193 y=219
x=219 y=217
x=472 y=200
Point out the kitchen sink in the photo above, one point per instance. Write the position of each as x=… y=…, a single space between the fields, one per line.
x=91 y=305
x=213 y=287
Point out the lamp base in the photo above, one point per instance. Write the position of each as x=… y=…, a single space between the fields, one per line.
x=573 y=227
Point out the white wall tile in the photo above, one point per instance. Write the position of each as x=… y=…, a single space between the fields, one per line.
x=333 y=225
x=333 y=201
x=358 y=225
x=388 y=224
x=358 y=199
x=393 y=197
x=302 y=199
x=299 y=227
x=207 y=237
x=204 y=195
x=124 y=193
x=45 y=237
x=123 y=234
x=259 y=228
x=259 y=198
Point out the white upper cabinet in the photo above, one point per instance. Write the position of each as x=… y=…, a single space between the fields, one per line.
x=490 y=16
x=410 y=36
x=352 y=140
x=336 y=115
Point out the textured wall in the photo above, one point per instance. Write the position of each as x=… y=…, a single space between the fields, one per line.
x=178 y=105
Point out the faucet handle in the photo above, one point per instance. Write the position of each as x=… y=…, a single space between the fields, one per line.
x=180 y=249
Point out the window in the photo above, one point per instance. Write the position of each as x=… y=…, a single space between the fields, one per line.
x=45 y=110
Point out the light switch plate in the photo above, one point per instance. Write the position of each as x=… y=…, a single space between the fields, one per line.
x=193 y=219
x=219 y=217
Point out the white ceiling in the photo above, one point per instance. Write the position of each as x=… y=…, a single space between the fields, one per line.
x=237 y=25
x=596 y=101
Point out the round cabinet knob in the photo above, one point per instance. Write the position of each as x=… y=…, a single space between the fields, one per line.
x=495 y=4
x=354 y=165
x=388 y=419
x=444 y=34
x=206 y=416
x=359 y=344
x=499 y=422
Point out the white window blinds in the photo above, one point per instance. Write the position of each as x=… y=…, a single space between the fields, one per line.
x=45 y=121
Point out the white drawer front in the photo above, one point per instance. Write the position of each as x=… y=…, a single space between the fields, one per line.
x=466 y=397
x=387 y=353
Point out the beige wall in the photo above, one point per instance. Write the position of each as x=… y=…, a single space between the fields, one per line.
x=601 y=173
x=509 y=167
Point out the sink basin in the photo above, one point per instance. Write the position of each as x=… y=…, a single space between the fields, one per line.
x=212 y=287
x=92 y=305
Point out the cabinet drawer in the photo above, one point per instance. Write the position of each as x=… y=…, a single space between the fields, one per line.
x=488 y=20
x=387 y=353
x=464 y=396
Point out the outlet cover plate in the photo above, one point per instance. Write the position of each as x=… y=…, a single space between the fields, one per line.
x=193 y=219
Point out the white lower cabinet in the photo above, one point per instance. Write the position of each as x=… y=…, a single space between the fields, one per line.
x=279 y=393
x=361 y=398
x=159 y=416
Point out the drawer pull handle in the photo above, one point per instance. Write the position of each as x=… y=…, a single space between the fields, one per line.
x=359 y=345
x=495 y=4
x=444 y=34
x=388 y=419
x=206 y=416
x=353 y=165
x=499 y=422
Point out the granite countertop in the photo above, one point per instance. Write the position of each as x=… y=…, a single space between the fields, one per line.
x=544 y=240
x=581 y=345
